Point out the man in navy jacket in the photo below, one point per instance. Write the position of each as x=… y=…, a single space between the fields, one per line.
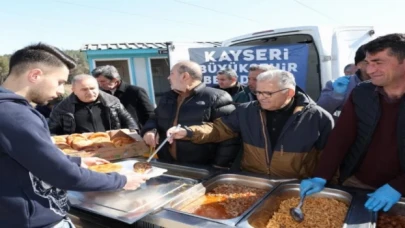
x=34 y=173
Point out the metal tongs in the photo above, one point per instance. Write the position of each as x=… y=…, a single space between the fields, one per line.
x=161 y=145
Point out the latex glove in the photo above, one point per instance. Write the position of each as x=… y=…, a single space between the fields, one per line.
x=340 y=84
x=384 y=197
x=311 y=186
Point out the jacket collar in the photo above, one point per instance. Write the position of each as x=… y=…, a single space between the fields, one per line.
x=123 y=86
x=198 y=89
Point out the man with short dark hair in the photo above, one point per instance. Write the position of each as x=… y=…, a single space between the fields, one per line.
x=88 y=109
x=134 y=98
x=248 y=93
x=350 y=69
x=190 y=102
x=367 y=143
x=34 y=173
x=228 y=81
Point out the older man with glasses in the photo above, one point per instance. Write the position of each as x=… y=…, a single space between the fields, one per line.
x=283 y=132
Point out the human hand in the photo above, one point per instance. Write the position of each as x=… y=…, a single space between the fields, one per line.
x=340 y=85
x=90 y=161
x=175 y=133
x=311 y=186
x=383 y=198
x=151 y=138
x=134 y=180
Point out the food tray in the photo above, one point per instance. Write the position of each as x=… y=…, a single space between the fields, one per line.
x=199 y=190
x=397 y=210
x=259 y=217
x=130 y=206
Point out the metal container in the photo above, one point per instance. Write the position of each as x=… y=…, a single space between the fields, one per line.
x=199 y=190
x=130 y=206
x=397 y=209
x=259 y=217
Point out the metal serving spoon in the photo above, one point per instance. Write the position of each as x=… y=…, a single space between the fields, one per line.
x=296 y=212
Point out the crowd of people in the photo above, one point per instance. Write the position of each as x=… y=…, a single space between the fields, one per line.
x=353 y=135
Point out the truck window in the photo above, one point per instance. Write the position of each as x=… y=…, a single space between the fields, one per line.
x=313 y=82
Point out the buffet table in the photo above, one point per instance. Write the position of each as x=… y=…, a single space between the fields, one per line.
x=159 y=202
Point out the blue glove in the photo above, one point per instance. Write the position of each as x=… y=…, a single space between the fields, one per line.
x=340 y=84
x=384 y=197
x=311 y=186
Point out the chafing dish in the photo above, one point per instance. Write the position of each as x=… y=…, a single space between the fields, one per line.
x=260 y=216
x=199 y=190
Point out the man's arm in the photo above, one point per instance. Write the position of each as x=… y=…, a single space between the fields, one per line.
x=339 y=142
x=329 y=99
x=226 y=150
x=220 y=130
x=76 y=160
x=126 y=119
x=399 y=184
x=144 y=107
x=223 y=106
x=43 y=159
x=150 y=124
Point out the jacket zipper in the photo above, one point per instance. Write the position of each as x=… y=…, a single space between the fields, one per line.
x=280 y=138
x=176 y=117
x=266 y=147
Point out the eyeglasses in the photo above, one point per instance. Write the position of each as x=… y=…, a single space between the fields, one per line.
x=266 y=93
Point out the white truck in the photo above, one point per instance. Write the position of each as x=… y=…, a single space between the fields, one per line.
x=330 y=48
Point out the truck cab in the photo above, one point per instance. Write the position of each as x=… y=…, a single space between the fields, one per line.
x=330 y=48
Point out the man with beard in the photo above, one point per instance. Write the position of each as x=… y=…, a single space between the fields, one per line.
x=34 y=173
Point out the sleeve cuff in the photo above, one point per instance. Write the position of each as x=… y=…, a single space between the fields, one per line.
x=399 y=185
x=189 y=132
x=338 y=95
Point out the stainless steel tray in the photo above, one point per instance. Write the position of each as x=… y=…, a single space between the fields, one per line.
x=130 y=206
x=397 y=209
x=199 y=190
x=259 y=217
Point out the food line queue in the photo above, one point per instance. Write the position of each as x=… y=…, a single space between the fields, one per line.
x=284 y=133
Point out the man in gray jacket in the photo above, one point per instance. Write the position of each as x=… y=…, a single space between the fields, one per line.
x=336 y=92
x=88 y=109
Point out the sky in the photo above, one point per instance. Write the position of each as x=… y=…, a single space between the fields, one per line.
x=69 y=24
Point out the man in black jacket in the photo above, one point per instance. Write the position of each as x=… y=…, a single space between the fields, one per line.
x=88 y=109
x=190 y=102
x=228 y=81
x=134 y=98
